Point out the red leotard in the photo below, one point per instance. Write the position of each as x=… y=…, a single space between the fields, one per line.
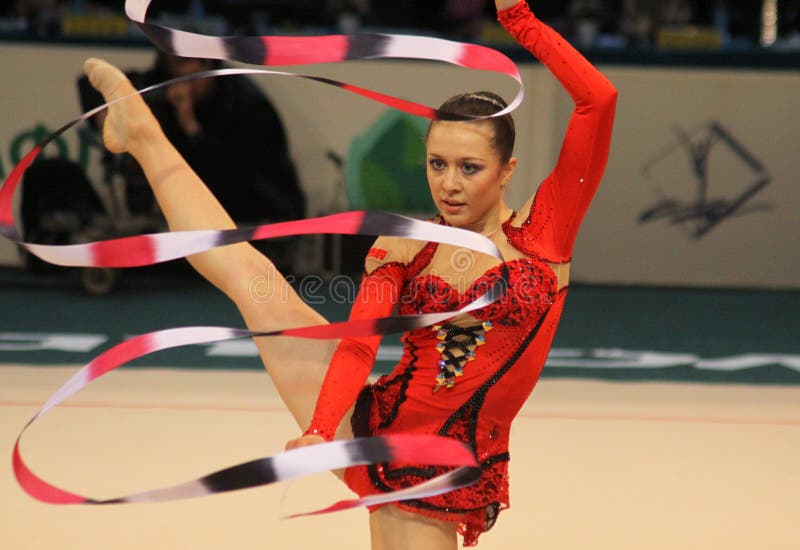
x=487 y=363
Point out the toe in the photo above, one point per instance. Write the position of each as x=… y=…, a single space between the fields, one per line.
x=104 y=77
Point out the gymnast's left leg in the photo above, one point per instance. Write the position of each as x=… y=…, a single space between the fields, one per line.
x=263 y=296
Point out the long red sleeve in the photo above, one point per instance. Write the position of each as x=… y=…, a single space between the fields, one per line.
x=560 y=205
x=354 y=357
x=565 y=194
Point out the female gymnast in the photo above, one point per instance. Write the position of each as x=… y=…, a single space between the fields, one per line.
x=465 y=379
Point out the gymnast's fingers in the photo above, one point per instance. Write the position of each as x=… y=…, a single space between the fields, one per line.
x=304 y=441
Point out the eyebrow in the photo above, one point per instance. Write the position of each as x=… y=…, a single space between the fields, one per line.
x=469 y=159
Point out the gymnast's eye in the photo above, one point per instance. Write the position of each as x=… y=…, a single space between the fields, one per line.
x=437 y=164
x=468 y=168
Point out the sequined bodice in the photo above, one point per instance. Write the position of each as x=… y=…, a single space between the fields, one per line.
x=532 y=289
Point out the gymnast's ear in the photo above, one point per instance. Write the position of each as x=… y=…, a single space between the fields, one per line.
x=508 y=171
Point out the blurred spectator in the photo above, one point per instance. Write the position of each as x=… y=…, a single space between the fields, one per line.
x=636 y=22
x=229 y=133
x=400 y=15
x=457 y=19
x=464 y=19
x=587 y=18
x=789 y=23
x=675 y=13
x=349 y=14
x=43 y=17
x=744 y=22
x=615 y=23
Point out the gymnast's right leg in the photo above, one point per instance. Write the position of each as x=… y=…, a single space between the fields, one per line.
x=263 y=296
x=394 y=529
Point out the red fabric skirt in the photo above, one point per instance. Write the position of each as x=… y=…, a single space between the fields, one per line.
x=474 y=509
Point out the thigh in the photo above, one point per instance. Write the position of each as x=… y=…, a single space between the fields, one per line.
x=297 y=366
x=392 y=528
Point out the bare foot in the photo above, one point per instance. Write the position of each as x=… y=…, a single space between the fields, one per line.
x=129 y=122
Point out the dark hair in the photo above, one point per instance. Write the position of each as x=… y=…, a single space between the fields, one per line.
x=483 y=104
x=166 y=62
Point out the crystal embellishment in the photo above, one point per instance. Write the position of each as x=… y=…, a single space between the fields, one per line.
x=457 y=345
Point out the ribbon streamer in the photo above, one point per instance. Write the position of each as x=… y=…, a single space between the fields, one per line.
x=149 y=249
x=400 y=448
x=293 y=50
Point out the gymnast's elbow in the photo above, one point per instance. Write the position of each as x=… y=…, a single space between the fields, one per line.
x=607 y=95
x=359 y=349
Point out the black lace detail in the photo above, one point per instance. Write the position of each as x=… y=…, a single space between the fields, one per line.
x=457 y=346
x=430 y=471
x=494 y=459
x=359 y=420
x=403 y=379
x=491 y=512
x=426 y=473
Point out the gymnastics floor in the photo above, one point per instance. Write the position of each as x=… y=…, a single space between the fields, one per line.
x=595 y=465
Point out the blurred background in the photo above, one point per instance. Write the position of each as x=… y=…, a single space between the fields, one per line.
x=601 y=23
x=687 y=266
x=669 y=408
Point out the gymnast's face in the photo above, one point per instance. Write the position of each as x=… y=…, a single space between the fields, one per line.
x=466 y=175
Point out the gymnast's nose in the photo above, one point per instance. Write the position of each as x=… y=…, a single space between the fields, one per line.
x=451 y=181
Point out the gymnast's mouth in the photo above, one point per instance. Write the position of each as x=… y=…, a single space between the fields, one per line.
x=453 y=203
x=450 y=206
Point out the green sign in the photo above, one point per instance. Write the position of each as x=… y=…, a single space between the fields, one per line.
x=22 y=143
x=386 y=166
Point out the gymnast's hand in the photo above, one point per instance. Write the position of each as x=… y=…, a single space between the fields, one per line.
x=504 y=4
x=181 y=97
x=304 y=441
x=129 y=123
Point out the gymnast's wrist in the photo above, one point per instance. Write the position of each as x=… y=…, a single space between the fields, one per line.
x=321 y=432
x=512 y=13
x=502 y=5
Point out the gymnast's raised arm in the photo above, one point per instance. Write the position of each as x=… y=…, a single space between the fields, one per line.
x=566 y=193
